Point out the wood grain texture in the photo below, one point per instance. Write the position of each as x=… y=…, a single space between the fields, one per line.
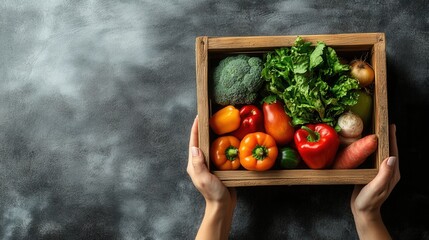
x=353 y=41
x=201 y=61
x=381 y=120
x=312 y=178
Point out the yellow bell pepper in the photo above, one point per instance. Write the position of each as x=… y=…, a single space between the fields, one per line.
x=225 y=120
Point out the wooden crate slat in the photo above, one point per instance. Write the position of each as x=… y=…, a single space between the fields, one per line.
x=290 y=174
x=201 y=61
x=348 y=40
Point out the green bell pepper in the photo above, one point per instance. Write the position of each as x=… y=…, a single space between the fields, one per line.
x=288 y=158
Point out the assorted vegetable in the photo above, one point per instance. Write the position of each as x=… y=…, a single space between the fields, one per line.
x=363 y=72
x=277 y=123
x=237 y=80
x=345 y=141
x=313 y=101
x=251 y=121
x=363 y=108
x=356 y=153
x=258 y=151
x=225 y=120
x=317 y=144
x=314 y=85
x=224 y=153
x=351 y=127
x=288 y=158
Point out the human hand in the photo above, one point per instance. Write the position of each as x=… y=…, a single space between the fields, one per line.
x=212 y=189
x=366 y=200
x=220 y=201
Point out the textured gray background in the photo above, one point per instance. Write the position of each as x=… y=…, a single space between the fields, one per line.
x=97 y=99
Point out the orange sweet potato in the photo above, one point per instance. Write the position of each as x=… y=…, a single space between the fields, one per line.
x=356 y=153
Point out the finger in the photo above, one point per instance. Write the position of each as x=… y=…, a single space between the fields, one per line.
x=198 y=162
x=384 y=175
x=193 y=140
x=394 y=152
x=395 y=172
x=392 y=140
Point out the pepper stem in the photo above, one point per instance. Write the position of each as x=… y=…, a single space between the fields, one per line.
x=260 y=152
x=312 y=135
x=231 y=153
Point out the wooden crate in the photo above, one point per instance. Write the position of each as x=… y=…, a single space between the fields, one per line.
x=210 y=49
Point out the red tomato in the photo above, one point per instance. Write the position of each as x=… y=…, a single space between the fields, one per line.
x=277 y=123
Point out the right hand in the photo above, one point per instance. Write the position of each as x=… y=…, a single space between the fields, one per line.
x=368 y=199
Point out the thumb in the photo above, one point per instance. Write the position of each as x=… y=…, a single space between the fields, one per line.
x=385 y=173
x=198 y=161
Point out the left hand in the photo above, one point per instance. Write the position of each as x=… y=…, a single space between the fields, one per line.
x=212 y=189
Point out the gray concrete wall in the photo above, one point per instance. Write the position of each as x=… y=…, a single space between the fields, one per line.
x=97 y=99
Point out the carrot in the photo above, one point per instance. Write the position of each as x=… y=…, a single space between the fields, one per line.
x=356 y=153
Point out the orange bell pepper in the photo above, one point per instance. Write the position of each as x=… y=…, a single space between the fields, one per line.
x=258 y=151
x=225 y=120
x=224 y=153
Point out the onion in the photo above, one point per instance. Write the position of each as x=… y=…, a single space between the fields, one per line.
x=363 y=72
x=351 y=125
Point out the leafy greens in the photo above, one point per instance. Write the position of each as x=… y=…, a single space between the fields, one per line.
x=314 y=85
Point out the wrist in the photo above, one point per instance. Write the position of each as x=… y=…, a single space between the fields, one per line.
x=369 y=225
x=219 y=209
x=367 y=215
x=365 y=220
x=216 y=222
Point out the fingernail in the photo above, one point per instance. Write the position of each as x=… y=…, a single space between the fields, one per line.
x=195 y=151
x=391 y=161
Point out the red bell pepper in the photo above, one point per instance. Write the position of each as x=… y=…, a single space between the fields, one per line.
x=317 y=144
x=251 y=121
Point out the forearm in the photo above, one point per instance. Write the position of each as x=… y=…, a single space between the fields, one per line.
x=216 y=222
x=371 y=226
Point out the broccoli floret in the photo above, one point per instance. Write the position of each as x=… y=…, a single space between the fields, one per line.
x=237 y=80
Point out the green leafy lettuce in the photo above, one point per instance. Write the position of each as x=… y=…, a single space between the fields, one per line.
x=314 y=85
